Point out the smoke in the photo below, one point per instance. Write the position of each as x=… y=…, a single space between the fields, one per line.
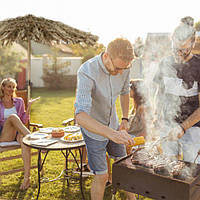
x=161 y=109
x=162 y=104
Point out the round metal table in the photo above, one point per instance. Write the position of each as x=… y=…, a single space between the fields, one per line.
x=66 y=149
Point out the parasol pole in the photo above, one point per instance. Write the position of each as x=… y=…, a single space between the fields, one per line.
x=29 y=69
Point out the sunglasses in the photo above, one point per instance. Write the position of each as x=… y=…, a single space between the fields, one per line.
x=183 y=51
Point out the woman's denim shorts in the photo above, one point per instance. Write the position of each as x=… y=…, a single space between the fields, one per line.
x=96 y=152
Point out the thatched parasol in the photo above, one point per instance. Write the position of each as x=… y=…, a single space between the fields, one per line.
x=43 y=31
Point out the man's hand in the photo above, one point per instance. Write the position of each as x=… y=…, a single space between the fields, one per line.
x=176 y=133
x=124 y=125
x=121 y=137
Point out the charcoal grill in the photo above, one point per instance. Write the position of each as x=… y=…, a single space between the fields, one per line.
x=144 y=181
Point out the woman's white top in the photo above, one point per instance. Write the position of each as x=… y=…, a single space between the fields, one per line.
x=9 y=111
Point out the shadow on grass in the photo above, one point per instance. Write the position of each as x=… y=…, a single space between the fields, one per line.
x=15 y=192
x=73 y=191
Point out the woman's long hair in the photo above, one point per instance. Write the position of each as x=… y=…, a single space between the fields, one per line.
x=137 y=97
x=4 y=82
x=184 y=31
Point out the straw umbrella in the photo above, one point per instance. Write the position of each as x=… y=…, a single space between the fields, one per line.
x=43 y=31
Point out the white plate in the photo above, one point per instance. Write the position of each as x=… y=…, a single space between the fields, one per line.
x=36 y=136
x=71 y=129
x=46 y=130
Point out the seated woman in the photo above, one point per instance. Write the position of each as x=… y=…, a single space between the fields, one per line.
x=12 y=120
x=136 y=117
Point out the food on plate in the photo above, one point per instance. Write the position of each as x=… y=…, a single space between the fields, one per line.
x=57 y=133
x=74 y=136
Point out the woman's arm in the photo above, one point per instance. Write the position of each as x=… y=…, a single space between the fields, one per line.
x=192 y=119
x=188 y=123
x=30 y=103
x=24 y=115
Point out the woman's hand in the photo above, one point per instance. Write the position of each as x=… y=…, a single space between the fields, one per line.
x=30 y=103
x=33 y=100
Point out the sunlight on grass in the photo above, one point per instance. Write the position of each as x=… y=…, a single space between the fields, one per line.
x=53 y=107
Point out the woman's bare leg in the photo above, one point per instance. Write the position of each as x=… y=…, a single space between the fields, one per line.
x=26 y=156
x=11 y=125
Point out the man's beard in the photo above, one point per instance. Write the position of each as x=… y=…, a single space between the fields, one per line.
x=112 y=72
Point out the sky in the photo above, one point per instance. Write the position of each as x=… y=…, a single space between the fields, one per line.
x=108 y=19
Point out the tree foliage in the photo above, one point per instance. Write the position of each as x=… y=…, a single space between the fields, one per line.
x=55 y=71
x=197 y=26
x=9 y=62
x=138 y=47
x=87 y=52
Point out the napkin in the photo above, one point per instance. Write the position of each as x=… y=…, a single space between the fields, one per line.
x=43 y=142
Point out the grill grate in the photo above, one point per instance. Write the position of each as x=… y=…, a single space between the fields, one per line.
x=145 y=181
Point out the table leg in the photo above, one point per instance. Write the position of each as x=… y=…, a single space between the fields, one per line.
x=39 y=168
x=81 y=181
x=66 y=166
x=76 y=161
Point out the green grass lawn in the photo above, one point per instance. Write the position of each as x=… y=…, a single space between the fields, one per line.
x=53 y=107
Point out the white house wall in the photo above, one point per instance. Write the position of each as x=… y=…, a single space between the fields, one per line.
x=36 y=72
x=37 y=68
